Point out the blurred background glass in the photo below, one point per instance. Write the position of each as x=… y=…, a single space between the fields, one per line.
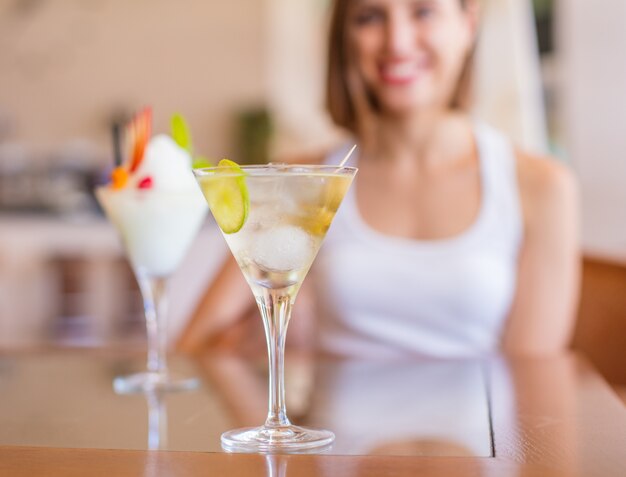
x=249 y=77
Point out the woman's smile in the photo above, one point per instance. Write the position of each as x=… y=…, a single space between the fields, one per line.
x=402 y=72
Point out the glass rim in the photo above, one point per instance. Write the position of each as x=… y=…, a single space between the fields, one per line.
x=280 y=169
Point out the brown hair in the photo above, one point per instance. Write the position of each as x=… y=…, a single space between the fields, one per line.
x=346 y=99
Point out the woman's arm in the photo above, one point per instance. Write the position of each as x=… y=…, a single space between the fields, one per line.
x=227 y=301
x=544 y=309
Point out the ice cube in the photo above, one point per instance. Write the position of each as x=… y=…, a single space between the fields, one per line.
x=261 y=217
x=305 y=189
x=282 y=248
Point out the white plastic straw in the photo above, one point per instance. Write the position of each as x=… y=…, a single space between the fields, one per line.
x=345 y=159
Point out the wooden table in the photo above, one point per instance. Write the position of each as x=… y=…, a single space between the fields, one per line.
x=527 y=417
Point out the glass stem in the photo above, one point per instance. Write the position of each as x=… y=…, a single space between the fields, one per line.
x=153 y=291
x=275 y=310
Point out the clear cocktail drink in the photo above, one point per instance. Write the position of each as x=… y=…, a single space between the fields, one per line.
x=274 y=219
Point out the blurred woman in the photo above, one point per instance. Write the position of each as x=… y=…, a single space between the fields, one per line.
x=451 y=242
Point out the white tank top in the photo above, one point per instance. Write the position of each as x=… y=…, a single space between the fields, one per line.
x=386 y=296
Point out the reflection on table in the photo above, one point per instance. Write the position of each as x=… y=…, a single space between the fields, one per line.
x=157 y=420
x=394 y=408
x=548 y=416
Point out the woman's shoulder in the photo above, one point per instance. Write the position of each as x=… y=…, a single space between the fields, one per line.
x=547 y=187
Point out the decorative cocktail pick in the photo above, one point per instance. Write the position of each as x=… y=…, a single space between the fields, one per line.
x=138 y=133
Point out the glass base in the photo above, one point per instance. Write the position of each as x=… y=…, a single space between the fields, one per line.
x=288 y=439
x=150 y=381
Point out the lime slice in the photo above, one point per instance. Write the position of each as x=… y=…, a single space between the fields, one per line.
x=180 y=132
x=227 y=195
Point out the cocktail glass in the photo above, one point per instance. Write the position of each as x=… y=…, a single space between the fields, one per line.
x=156 y=228
x=285 y=213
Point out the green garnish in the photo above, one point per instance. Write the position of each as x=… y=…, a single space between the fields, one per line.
x=201 y=162
x=227 y=195
x=180 y=132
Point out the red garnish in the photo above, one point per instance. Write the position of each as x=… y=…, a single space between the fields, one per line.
x=138 y=133
x=145 y=183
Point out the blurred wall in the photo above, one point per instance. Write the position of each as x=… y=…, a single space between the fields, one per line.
x=591 y=39
x=67 y=68
x=296 y=69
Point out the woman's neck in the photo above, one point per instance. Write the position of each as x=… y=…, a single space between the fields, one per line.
x=425 y=139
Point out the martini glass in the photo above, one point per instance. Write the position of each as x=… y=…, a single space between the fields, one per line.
x=156 y=227
x=274 y=219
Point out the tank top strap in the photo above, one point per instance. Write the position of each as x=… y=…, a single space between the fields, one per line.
x=500 y=184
